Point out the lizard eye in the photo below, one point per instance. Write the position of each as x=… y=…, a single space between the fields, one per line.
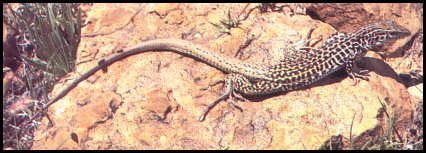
x=378 y=45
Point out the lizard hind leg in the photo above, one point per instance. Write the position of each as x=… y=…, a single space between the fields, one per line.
x=230 y=92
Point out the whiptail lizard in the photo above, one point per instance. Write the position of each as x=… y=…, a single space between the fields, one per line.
x=340 y=50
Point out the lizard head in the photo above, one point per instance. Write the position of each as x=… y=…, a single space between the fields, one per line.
x=375 y=36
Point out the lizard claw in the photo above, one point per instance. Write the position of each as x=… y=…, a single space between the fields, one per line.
x=363 y=74
x=235 y=95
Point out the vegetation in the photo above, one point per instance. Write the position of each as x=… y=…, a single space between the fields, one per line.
x=47 y=39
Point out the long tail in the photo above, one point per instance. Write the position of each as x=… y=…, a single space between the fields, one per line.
x=226 y=64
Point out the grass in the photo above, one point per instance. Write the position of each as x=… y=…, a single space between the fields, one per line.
x=389 y=137
x=47 y=39
x=385 y=136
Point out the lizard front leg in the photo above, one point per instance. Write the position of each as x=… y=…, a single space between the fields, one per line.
x=354 y=71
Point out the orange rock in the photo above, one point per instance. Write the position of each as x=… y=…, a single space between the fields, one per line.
x=147 y=85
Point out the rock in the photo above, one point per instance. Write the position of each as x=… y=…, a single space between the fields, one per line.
x=416 y=91
x=164 y=9
x=344 y=17
x=152 y=100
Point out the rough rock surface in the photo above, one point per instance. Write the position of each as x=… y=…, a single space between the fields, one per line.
x=152 y=100
x=348 y=17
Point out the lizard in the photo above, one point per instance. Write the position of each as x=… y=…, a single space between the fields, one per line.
x=340 y=50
